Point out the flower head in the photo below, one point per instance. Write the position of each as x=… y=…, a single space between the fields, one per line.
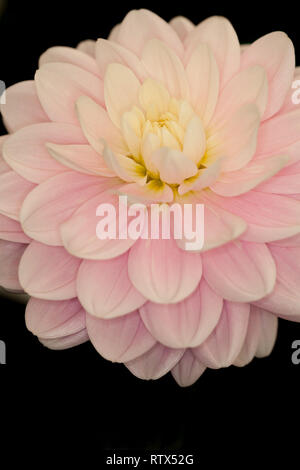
x=162 y=113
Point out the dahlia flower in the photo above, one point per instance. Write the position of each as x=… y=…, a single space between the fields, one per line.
x=161 y=113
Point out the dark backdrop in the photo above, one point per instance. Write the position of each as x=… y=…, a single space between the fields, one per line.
x=75 y=396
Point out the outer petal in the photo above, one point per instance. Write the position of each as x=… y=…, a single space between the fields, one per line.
x=69 y=55
x=13 y=190
x=187 y=323
x=48 y=272
x=26 y=152
x=268 y=333
x=11 y=230
x=188 y=370
x=250 y=345
x=104 y=288
x=79 y=232
x=169 y=274
x=120 y=339
x=234 y=183
x=286 y=181
x=88 y=47
x=22 y=106
x=284 y=300
x=155 y=363
x=219 y=34
x=240 y=271
x=65 y=342
x=182 y=26
x=224 y=344
x=54 y=201
x=275 y=52
x=54 y=79
x=139 y=26
x=10 y=255
x=54 y=319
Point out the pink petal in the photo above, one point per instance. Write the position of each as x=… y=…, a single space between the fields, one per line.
x=69 y=55
x=59 y=85
x=286 y=181
x=224 y=344
x=120 y=339
x=10 y=255
x=79 y=232
x=54 y=319
x=13 y=190
x=182 y=26
x=269 y=216
x=53 y=202
x=169 y=274
x=251 y=341
x=108 y=52
x=234 y=183
x=48 y=272
x=139 y=26
x=188 y=370
x=22 y=106
x=164 y=65
x=219 y=34
x=26 y=152
x=275 y=52
x=11 y=230
x=187 y=323
x=65 y=342
x=155 y=363
x=104 y=288
x=88 y=47
x=268 y=333
x=240 y=271
x=284 y=300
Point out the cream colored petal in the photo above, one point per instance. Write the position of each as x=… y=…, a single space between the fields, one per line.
x=153 y=95
x=173 y=165
x=126 y=168
x=150 y=144
x=203 y=179
x=194 y=144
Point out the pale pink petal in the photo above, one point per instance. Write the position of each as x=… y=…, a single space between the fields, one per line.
x=247 y=272
x=219 y=34
x=79 y=233
x=224 y=344
x=124 y=167
x=275 y=52
x=188 y=370
x=150 y=192
x=69 y=55
x=54 y=319
x=11 y=230
x=48 y=272
x=248 y=86
x=108 y=52
x=22 y=106
x=88 y=47
x=114 y=33
x=173 y=165
x=169 y=274
x=251 y=341
x=235 y=139
x=26 y=152
x=182 y=26
x=65 y=342
x=155 y=363
x=269 y=217
x=10 y=255
x=280 y=135
x=54 y=201
x=203 y=77
x=187 y=323
x=119 y=339
x=13 y=190
x=82 y=158
x=121 y=88
x=284 y=300
x=268 y=333
x=204 y=178
x=234 y=183
x=140 y=26
x=96 y=126
x=164 y=65
x=292 y=101
x=104 y=288
x=286 y=181
x=59 y=85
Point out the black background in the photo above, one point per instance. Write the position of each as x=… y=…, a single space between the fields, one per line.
x=74 y=397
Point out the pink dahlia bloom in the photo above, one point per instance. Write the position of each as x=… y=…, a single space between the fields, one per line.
x=159 y=112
